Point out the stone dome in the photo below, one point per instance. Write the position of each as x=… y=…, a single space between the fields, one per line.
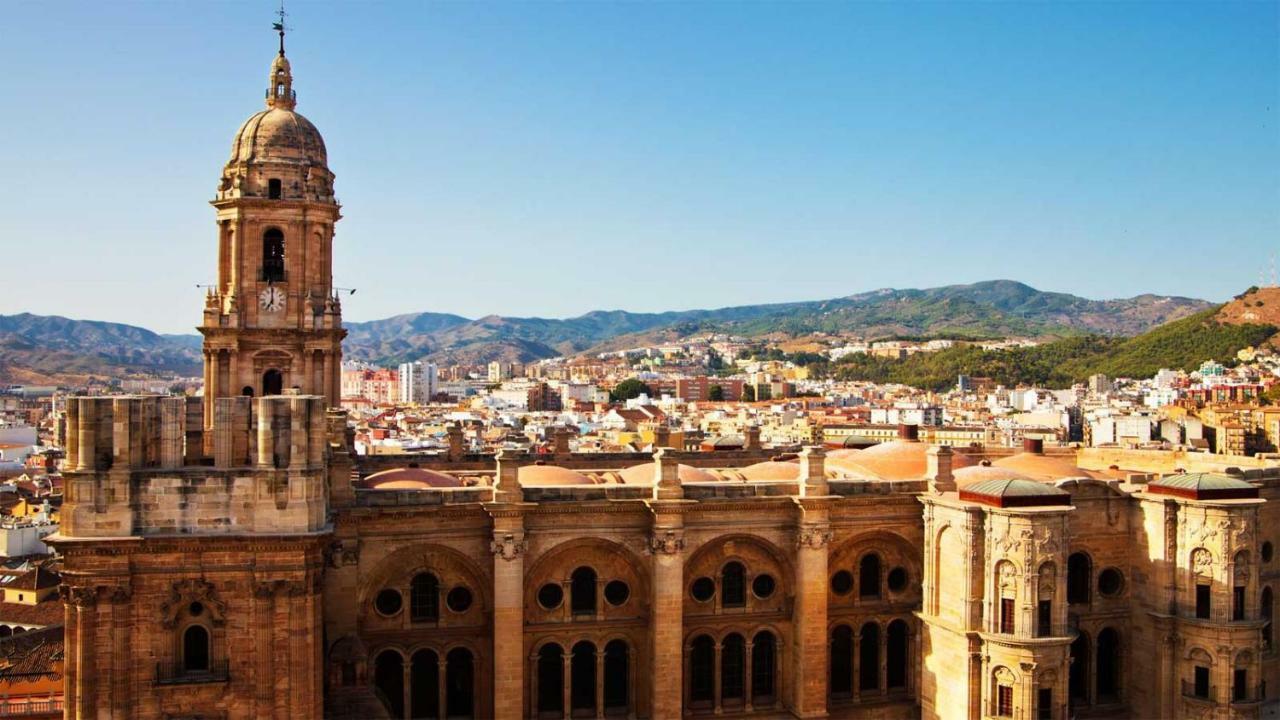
x=278 y=135
x=643 y=474
x=982 y=473
x=1037 y=466
x=896 y=460
x=546 y=475
x=410 y=478
x=771 y=470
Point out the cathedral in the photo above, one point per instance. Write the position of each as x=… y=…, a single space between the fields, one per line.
x=230 y=557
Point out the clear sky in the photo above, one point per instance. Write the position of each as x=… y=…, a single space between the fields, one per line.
x=538 y=158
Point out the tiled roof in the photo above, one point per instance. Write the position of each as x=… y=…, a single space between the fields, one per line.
x=37 y=578
x=1203 y=486
x=1014 y=493
x=32 y=653
x=43 y=614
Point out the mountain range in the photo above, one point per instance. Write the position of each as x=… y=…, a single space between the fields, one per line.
x=38 y=349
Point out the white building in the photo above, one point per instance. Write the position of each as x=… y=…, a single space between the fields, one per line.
x=418 y=382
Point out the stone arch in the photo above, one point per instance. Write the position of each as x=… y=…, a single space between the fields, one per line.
x=893 y=550
x=609 y=561
x=1198 y=654
x=1079 y=577
x=757 y=555
x=449 y=566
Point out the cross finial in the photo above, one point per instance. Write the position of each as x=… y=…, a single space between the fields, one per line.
x=279 y=26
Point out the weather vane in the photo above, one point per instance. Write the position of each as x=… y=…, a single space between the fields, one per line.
x=279 y=26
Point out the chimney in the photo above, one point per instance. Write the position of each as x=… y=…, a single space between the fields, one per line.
x=938 y=470
x=1034 y=446
x=666 y=475
x=661 y=436
x=753 y=438
x=506 y=480
x=813 y=471
x=909 y=433
x=454 y=433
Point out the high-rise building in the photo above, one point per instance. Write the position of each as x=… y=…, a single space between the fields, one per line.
x=418 y=382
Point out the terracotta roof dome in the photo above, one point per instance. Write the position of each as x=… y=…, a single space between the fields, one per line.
x=643 y=474
x=410 y=478
x=1014 y=493
x=982 y=473
x=1042 y=467
x=546 y=475
x=771 y=470
x=896 y=460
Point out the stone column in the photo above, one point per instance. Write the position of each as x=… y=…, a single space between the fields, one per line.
x=442 y=687
x=508 y=547
x=566 y=685
x=749 y=684
x=84 y=606
x=666 y=639
x=716 y=680
x=809 y=636
x=600 y=683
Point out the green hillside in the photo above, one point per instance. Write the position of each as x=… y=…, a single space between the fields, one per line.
x=1181 y=344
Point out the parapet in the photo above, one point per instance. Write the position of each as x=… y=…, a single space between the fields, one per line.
x=134 y=466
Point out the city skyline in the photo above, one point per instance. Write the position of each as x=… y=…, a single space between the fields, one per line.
x=469 y=142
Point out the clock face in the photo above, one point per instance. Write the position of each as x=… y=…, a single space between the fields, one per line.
x=271 y=299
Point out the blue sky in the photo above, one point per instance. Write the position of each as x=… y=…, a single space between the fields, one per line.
x=548 y=159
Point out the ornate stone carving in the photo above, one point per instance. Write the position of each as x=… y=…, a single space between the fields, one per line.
x=508 y=546
x=814 y=537
x=667 y=542
x=1202 y=562
x=81 y=597
x=1048 y=580
x=341 y=553
x=1007 y=576
x=189 y=591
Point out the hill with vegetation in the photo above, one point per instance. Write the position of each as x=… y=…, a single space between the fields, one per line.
x=1179 y=345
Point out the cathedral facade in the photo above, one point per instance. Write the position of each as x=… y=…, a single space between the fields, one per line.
x=229 y=557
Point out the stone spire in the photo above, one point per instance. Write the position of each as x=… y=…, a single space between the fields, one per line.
x=280 y=85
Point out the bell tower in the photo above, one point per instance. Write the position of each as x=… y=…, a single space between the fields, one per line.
x=272 y=321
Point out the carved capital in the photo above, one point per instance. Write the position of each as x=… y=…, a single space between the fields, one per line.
x=666 y=542
x=81 y=597
x=508 y=546
x=813 y=537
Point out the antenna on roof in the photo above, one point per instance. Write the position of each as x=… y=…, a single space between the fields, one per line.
x=279 y=26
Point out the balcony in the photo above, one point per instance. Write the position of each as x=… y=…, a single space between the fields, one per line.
x=1204 y=693
x=176 y=674
x=31 y=708
x=1249 y=694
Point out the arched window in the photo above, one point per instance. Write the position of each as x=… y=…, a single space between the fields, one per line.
x=1268 y=615
x=273 y=256
x=388 y=678
x=702 y=662
x=582 y=591
x=582 y=677
x=869 y=657
x=424 y=690
x=274 y=188
x=1079 y=578
x=616 y=674
x=763 y=647
x=869 y=576
x=550 y=679
x=1078 y=674
x=459 y=678
x=424 y=598
x=733 y=585
x=733 y=668
x=1240 y=584
x=897 y=654
x=841 y=662
x=272 y=383
x=195 y=649
x=1108 y=680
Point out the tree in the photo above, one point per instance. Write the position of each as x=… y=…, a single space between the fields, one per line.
x=715 y=393
x=748 y=393
x=629 y=389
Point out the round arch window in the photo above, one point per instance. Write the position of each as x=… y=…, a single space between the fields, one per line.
x=458 y=599
x=550 y=596
x=1267 y=551
x=842 y=582
x=617 y=592
x=763 y=586
x=898 y=579
x=704 y=588
x=1110 y=582
x=388 y=602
